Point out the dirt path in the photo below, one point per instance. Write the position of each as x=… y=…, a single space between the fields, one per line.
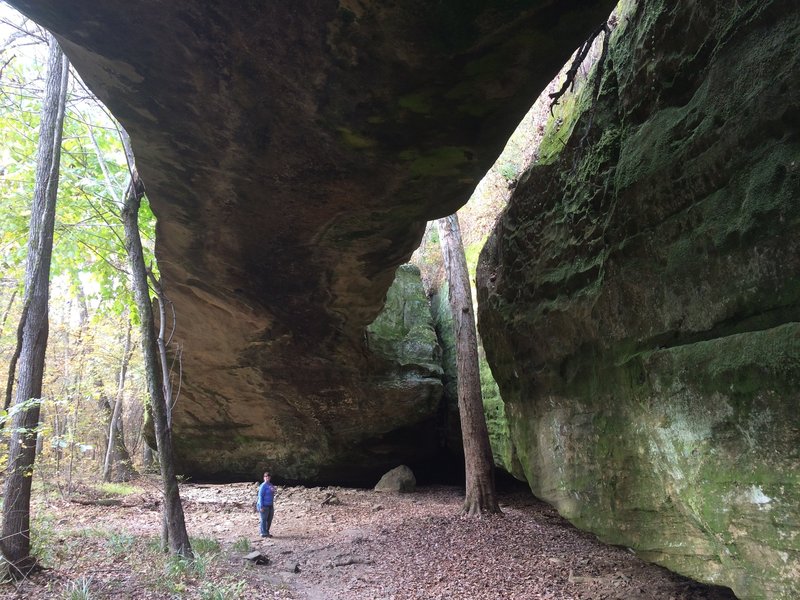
x=344 y=544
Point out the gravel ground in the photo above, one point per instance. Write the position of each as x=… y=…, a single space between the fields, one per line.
x=344 y=544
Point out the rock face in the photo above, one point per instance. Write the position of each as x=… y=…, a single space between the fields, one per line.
x=293 y=152
x=404 y=334
x=400 y=479
x=640 y=298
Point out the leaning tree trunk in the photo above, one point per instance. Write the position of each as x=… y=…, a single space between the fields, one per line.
x=7 y=312
x=478 y=462
x=15 y=543
x=117 y=465
x=173 y=511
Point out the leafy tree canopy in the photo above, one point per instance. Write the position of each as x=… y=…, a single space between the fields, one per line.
x=89 y=255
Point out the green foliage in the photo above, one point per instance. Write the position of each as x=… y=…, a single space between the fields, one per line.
x=242 y=545
x=121 y=543
x=180 y=570
x=8 y=415
x=90 y=303
x=19 y=116
x=88 y=252
x=154 y=545
x=223 y=590
x=205 y=545
x=80 y=589
x=118 y=489
x=200 y=563
x=92 y=532
x=509 y=171
x=43 y=538
x=177 y=567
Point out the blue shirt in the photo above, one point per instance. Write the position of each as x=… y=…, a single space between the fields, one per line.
x=266 y=492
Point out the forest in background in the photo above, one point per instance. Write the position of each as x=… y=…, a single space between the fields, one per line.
x=92 y=362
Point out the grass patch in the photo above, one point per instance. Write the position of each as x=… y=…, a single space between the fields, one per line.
x=154 y=545
x=177 y=568
x=242 y=545
x=80 y=589
x=95 y=551
x=89 y=532
x=121 y=543
x=223 y=590
x=201 y=563
x=182 y=573
x=205 y=545
x=43 y=538
x=118 y=489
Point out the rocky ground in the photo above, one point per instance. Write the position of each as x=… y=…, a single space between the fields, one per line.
x=336 y=544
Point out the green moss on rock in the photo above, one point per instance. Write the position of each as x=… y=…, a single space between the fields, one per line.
x=640 y=299
x=404 y=332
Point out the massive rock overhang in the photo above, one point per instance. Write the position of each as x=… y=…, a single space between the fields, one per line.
x=292 y=152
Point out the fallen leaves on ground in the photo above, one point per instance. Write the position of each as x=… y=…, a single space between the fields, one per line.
x=339 y=544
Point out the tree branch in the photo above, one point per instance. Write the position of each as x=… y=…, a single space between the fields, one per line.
x=580 y=56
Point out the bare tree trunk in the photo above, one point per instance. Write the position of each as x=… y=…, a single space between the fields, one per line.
x=58 y=435
x=7 y=311
x=73 y=377
x=118 y=465
x=161 y=341
x=12 y=363
x=478 y=462
x=148 y=462
x=173 y=511
x=15 y=542
x=73 y=435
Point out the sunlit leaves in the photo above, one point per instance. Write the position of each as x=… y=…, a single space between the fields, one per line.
x=88 y=248
x=90 y=302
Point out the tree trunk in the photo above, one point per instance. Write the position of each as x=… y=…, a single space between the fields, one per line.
x=478 y=462
x=161 y=342
x=7 y=312
x=117 y=465
x=148 y=462
x=15 y=543
x=173 y=511
x=74 y=382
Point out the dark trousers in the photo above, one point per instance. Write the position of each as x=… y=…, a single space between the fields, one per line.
x=267 y=512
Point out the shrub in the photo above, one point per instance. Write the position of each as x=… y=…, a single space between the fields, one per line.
x=79 y=589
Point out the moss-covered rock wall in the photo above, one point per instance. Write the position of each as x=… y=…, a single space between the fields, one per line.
x=403 y=333
x=639 y=300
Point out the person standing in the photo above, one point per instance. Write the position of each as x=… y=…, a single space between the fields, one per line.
x=265 y=505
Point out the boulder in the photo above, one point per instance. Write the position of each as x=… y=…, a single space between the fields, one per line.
x=256 y=558
x=400 y=479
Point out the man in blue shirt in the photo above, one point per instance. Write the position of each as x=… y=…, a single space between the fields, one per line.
x=264 y=505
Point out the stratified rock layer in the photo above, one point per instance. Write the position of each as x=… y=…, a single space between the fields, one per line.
x=293 y=152
x=640 y=298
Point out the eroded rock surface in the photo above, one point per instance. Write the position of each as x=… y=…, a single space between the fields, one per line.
x=640 y=299
x=292 y=152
